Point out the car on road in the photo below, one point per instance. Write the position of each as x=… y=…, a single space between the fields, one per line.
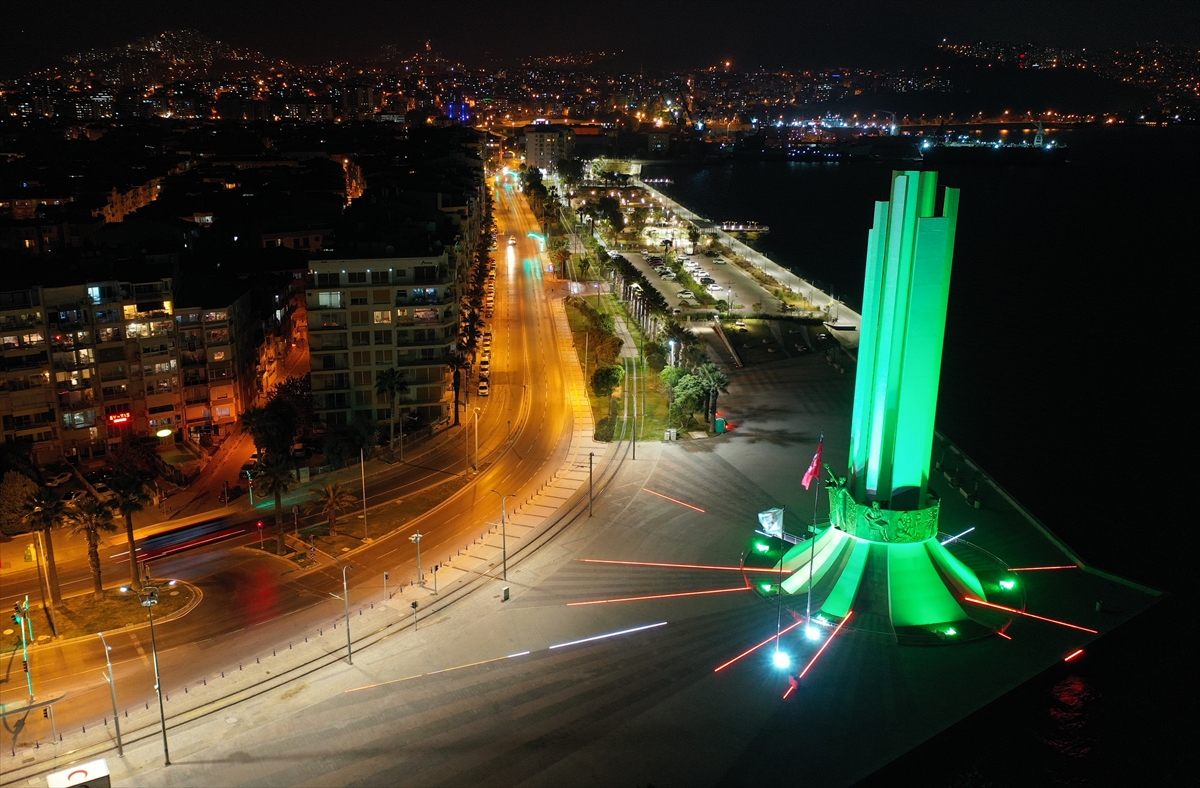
x=670 y=276
x=686 y=294
x=250 y=466
x=300 y=451
x=715 y=288
x=707 y=280
x=720 y=261
x=512 y=240
x=483 y=387
x=739 y=323
x=59 y=478
x=73 y=496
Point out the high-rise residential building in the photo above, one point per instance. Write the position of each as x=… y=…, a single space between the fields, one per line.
x=547 y=144
x=84 y=366
x=369 y=314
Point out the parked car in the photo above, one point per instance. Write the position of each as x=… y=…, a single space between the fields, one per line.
x=72 y=496
x=58 y=478
x=686 y=294
x=234 y=492
x=300 y=451
x=483 y=387
x=250 y=466
x=715 y=288
x=485 y=367
x=720 y=261
x=707 y=280
x=670 y=276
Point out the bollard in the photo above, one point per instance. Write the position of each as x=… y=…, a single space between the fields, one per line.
x=126 y=713
x=272 y=652
x=306 y=638
x=289 y=646
x=239 y=666
x=222 y=674
x=106 y=722
x=185 y=690
x=256 y=662
x=205 y=682
x=168 y=697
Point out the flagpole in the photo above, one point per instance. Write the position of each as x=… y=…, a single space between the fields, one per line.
x=812 y=550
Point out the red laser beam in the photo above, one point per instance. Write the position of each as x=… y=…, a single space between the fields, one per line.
x=789 y=692
x=1001 y=634
x=828 y=640
x=756 y=648
x=659 y=596
x=975 y=601
x=679 y=566
x=1038 y=568
x=675 y=500
x=1073 y=655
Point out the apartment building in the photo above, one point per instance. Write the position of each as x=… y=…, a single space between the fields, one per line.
x=83 y=366
x=547 y=144
x=369 y=314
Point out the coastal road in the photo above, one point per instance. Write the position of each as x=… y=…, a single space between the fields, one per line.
x=254 y=601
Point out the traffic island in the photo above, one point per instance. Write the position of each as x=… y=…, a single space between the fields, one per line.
x=84 y=615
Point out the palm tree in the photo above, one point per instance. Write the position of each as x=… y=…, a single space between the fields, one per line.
x=43 y=510
x=714 y=382
x=392 y=383
x=327 y=500
x=90 y=518
x=457 y=363
x=263 y=426
x=275 y=477
x=131 y=498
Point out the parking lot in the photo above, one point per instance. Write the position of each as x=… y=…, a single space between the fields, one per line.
x=722 y=274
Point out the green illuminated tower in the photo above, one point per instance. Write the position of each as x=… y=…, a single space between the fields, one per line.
x=883 y=554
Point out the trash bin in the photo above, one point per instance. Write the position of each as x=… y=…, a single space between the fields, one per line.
x=720 y=425
x=674 y=434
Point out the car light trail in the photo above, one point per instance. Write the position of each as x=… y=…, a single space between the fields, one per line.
x=658 y=596
x=678 y=566
x=609 y=635
x=1073 y=655
x=1039 y=568
x=674 y=500
x=975 y=601
x=434 y=672
x=750 y=651
x=956 y=536
x=828 y=640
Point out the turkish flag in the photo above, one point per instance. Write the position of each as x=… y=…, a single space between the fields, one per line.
x=814 y=468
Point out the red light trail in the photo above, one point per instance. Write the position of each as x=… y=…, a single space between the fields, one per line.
x=1073 y=655
x=828 y=640
x=658 y=596
x=675 y=500
x=749 y=651
x=975 y=601
x=1038 y=568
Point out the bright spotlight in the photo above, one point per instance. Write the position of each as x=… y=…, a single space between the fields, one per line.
x=812 y=633
x=781 y=659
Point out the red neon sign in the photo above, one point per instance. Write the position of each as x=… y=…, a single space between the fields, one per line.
x=118 y=418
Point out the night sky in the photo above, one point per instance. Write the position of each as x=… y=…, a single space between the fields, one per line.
x=874 y=33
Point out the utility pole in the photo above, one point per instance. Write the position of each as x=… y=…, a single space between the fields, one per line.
x=416 y=539
x=149 y=598
x=591 y=455
x=112 y=688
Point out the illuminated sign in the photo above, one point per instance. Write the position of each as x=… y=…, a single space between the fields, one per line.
x=118 y=418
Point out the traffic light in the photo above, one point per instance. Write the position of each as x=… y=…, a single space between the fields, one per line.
x=17 y=618
x=45 y=712
x=25 y=665
x=260 y=523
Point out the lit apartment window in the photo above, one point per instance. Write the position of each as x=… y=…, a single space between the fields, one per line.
x=330 y=299
x=382 y=316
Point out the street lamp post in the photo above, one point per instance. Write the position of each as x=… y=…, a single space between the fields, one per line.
x=112 y=688
x=362 y=466
x=477 y=412
x=149 y=598
x=671 y=342
x=591 y=455
x=416 y=539
x=346 y=603
x=503 y=534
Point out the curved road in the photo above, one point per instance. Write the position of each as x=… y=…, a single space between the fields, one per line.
x=253 y=602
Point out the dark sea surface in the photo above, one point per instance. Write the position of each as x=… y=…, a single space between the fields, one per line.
x=1069 y=344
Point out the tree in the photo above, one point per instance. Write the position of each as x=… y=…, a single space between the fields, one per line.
x=14 y=489
x=327 y=500
x=457 y=364
x=670 y=376
x=689 y=396
x=391 y=382
x=693 y=234
x=570 y=171
x=43 y=510
x=606 y=378
x=265 y=427
x=275 y=477
x=638 y=219
x=714 y=382
x=88 y=518
x=131 y=498
x=296 y=393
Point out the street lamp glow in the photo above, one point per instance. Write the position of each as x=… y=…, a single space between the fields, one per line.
x=164 y=432
x=781 y=659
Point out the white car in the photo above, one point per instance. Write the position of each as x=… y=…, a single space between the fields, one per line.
x=686 y=294
x=483 y=387
x=720 y=260
x=670 y=276
x=58 y=478
x=715 y=288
